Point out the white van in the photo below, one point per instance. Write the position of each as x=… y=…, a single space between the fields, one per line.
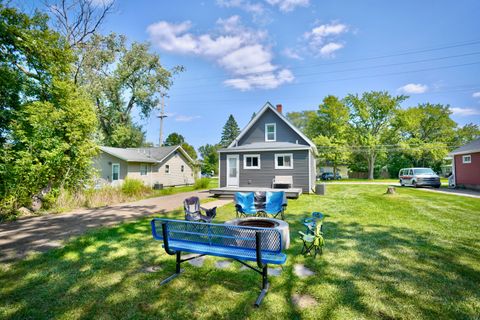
x=419 y=177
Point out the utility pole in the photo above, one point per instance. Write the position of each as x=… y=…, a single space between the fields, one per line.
x=162 y=116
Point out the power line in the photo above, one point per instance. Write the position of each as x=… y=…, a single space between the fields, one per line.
x=365 y=77
x=414 y=51
x=356 y=69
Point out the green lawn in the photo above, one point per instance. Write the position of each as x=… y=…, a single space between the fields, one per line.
x=413 y=255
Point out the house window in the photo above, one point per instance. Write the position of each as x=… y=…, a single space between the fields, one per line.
x=182 y=168
x=143 y=169
x=467 y=159
x=284 y=161
x=167 y=168
x=270 y=132
x=251 y=161
x=115 y=171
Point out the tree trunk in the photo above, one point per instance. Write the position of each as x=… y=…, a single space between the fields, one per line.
x=371 y=165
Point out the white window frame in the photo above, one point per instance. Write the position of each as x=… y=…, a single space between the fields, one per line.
x=167 y=169
x=113 y=165
x=467 y=156
x=245 y=156
x=274 y=131
x=146 y=169
x=278 y=155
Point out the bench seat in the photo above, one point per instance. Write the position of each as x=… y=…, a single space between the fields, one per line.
x=227 y=252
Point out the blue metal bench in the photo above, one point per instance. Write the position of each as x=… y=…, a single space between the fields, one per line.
x=261 y=245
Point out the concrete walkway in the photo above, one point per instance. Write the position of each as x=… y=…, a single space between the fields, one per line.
x=39 y=234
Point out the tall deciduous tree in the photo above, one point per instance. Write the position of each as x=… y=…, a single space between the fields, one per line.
x=120 y=79
x=305 y=121
x=46 y=122
x=175 y=139
x=371 y=117
x=330 y=126
x=427 y=133
x=230 y=131
x=209 y=154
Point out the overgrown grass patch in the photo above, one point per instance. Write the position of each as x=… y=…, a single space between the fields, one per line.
x=413 y=255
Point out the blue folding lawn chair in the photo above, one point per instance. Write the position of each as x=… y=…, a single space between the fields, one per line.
x=245 y=204
x=276 y=202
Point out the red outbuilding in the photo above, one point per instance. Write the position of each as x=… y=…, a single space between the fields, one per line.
x=466 y=165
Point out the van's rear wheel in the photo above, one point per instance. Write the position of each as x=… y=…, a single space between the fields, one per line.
x=414 y=184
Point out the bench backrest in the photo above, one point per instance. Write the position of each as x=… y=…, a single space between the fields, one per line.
x=219 y=235
x=283 y=180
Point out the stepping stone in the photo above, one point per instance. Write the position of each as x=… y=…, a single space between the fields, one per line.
x=194 y=262
x=223 y=264
x=301 y=271
x=151 y=269
x=303 y=301
x=274 y=272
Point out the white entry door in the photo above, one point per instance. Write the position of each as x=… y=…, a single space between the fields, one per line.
x=232 y=170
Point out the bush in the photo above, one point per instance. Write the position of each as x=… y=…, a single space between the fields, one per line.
x=134 y=187
x=201 y=183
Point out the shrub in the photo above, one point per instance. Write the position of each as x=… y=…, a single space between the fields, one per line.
x=167 y=191
x=201 y=183
x=134 y=187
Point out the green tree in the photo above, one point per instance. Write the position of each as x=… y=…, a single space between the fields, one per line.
x=426 y=132
x=371 y=118
x=175 y=139
x=209 y=154
x=230 y=131
x=304 y=121
x=466 y=134
x=122 y=78
x=331 y=125
x=47 y=123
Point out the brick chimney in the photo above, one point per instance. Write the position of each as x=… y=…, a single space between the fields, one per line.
x=279 y=108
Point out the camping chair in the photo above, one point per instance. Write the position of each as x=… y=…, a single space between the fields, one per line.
x=245 y=204
x=276 y=202
x=311 y=222
x=193 y=210
x=313 y=238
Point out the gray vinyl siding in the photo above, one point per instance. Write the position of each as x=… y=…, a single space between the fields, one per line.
x=313 y=171
x=263 y=177
x=284 y=132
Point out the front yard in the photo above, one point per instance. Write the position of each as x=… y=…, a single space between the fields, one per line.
x=413 y=255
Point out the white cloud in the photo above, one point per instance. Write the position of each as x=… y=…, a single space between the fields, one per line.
x=255 y=8
x=292 y=54
x=413 y=88
x=239 y=50
x=184 y=118
x=321 y=38
x=329 y=49
x=476 y=95
x=101 y=3
x=288 y=5
x=465 y=111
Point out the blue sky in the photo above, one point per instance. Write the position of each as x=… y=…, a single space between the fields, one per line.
x=238 y=54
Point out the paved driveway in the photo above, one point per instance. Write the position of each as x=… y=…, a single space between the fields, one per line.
x=38 y=234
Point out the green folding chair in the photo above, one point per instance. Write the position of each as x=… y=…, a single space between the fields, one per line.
x=313 y=240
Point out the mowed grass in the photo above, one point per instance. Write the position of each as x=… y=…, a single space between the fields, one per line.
x=413 y=255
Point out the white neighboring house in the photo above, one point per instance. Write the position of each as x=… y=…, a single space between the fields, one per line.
x=170 y=166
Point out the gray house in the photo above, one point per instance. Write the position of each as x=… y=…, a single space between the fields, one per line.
x=268 y=147
x=170 y=166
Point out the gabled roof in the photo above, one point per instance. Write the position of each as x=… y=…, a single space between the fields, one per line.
x=473 y=146
x=161 y=153
x=149 y=155
x=269 y=106
x=129 y=155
